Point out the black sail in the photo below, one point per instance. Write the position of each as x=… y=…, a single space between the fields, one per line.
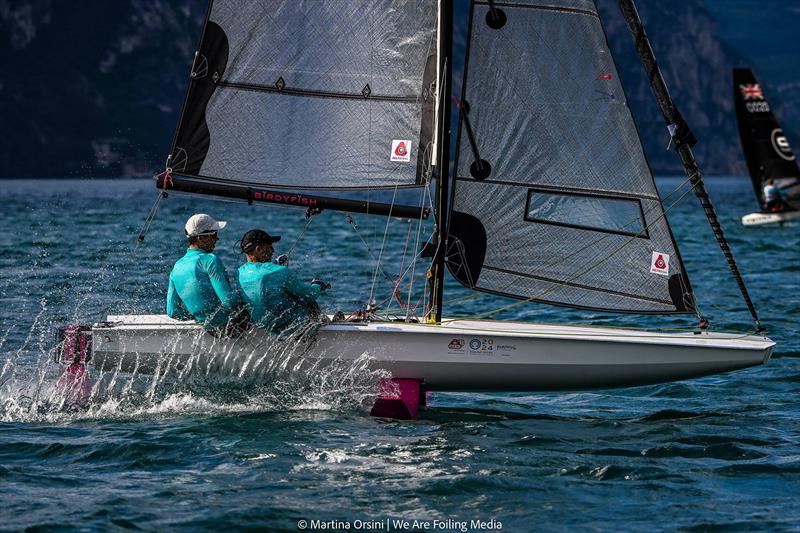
x=317 y=94
x=765 y=146
x=554 y=200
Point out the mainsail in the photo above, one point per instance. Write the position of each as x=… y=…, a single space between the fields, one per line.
x=554 y=200
x=312 y=94
x=766 y=148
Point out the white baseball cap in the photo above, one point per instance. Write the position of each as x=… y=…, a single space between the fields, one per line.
x=202 y=224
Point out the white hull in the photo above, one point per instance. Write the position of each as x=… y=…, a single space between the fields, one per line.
x=760 y=219
x=463 y=355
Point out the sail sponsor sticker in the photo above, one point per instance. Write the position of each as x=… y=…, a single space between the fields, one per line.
x=401 y=151
x=659 y=264
x=781 y=145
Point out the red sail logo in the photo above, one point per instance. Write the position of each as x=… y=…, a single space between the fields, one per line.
x=400 y=151
x=659 y=264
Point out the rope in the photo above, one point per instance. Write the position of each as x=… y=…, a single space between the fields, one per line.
x=383 y=246
x=309 y=217
x=148 y=221
x=401 y=274
x=429 y=305
x=396 y=283
x=352 y=223
x=414 y=261
x=151 y=215
x=412 y=266
x=167 y=175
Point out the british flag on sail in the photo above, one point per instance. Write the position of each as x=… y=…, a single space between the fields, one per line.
x=751 y=91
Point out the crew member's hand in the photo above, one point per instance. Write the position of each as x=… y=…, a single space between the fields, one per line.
x=282 y=259
x=323 y=285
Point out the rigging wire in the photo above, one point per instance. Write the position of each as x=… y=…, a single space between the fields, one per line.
x=148 y=221
x=151 y=215
x=396 y=283
x=414 y=260
x=353 y=224
x=403 y=271
x=383 y=246
x=395 y=294
x=310 y=213
x=429 y=308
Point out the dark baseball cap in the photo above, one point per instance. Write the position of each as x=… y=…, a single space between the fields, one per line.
x=255 y=237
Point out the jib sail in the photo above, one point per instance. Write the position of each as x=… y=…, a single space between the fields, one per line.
x=554 y=200
x=766 y=148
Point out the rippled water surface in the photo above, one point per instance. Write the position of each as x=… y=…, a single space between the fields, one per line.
x=719 y=453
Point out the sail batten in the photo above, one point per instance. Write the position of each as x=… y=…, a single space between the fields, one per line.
x=289 y=187
x=561 y=188
x=569 y=213
x=561 y=282
x=292 y=91
x=573 y=7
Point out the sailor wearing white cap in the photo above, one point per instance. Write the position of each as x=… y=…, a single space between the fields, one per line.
x=198 y=284
x=202 y=224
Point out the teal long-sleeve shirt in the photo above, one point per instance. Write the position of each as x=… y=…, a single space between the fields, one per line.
x=199 y=289
x=275 y=297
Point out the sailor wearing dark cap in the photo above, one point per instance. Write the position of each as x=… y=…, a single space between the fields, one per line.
x=198 y=283
x=275 y=297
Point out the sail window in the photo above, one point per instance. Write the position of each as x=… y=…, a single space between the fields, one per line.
x=608 y=214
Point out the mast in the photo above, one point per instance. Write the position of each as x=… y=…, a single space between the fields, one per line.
x=683 y=138
x=436 y=273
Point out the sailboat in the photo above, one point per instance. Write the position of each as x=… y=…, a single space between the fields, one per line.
x=551 y=198
x=767 y=151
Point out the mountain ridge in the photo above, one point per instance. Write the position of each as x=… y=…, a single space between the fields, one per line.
x=94 y=89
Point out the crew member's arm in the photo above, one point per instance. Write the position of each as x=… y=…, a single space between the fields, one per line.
x=219 y=280
x=303 y=290
x=175 y=307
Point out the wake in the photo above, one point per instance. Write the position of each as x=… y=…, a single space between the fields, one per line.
x=272 y=375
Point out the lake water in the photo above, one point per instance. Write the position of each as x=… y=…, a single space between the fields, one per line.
x=719 y=453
